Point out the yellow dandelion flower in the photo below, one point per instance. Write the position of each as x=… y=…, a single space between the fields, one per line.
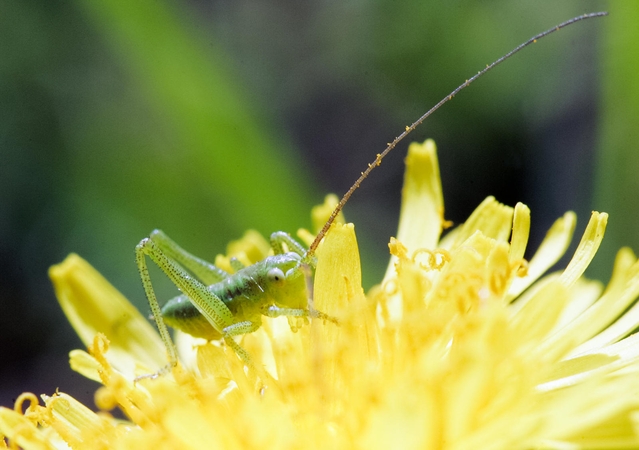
x=463 y=345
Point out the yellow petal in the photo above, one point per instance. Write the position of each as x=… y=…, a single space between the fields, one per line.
x=618 y=432
x=76 y=423
x=339 y=274
x=621 y=291
x=571 y=371
x=535 y=320
x=551 y=249
x=492 y=218
x=249 y=249
x=422 y=213
x=521 y=231
x=586 y=249
x=22 y=431
x=577 y=409
x=321 y=213
x=421 y=217
x=93 y=306
x=338 y=293
x=609 y=313
x=615 y=357
x=85 y=364
x=582 y=296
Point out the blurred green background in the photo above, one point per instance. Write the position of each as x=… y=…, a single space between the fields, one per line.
x=207 y=118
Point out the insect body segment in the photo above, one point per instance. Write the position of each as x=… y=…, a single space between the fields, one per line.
x=272 y=281
x=233 y=304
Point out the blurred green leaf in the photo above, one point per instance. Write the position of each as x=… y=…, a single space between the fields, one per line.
x=175 y=141
x=617 y=178
x=220 y=132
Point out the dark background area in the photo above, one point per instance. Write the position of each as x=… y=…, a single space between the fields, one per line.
x=206 y=118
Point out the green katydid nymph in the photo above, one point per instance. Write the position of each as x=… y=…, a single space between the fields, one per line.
x=218 y=305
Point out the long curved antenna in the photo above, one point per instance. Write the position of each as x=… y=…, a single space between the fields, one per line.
x=398 y=139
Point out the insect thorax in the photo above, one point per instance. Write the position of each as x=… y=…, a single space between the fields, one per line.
x=276 y=280
x=246 y=293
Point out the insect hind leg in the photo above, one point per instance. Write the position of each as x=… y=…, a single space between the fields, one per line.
x=204 y=270
x=156 y=311
x=209 y=305
x=238 y=329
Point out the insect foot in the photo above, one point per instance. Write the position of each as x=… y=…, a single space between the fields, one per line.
x=315 y=314
x=152 y=376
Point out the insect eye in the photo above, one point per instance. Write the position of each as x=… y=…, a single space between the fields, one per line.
x=275 y=274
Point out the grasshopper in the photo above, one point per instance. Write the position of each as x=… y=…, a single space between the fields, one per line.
x=217 y=305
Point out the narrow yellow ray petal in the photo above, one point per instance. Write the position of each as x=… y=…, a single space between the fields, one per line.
x=619 y=329
x=618 y=432
x=571 y=371
x=575 y=409
x=73 y=421
x=583 y=294
x=542 y=312
x=422 y=212
x=551 y=249
x=626 y=349
x=85 y=364
x=622 y=326
x=93 y=305
x=621 y=291
x=587 y=248
x=337 y=261
x=523 y=299
x=421 y=217
x=338 y=293
x=492 y=218
x=321 y=213
x=249 y=249
x=619 y=357
x=521 y=231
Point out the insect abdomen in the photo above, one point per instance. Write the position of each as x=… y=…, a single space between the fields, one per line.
x=181 y=314
x=241 y=290
x=238 y=289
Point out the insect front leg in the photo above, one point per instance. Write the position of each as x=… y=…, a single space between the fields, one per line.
x=209 y=305
x=279 y=238
x=276 y=311
x=238 y=329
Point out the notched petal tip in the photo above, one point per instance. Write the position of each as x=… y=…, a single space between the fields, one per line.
x=493 y=219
